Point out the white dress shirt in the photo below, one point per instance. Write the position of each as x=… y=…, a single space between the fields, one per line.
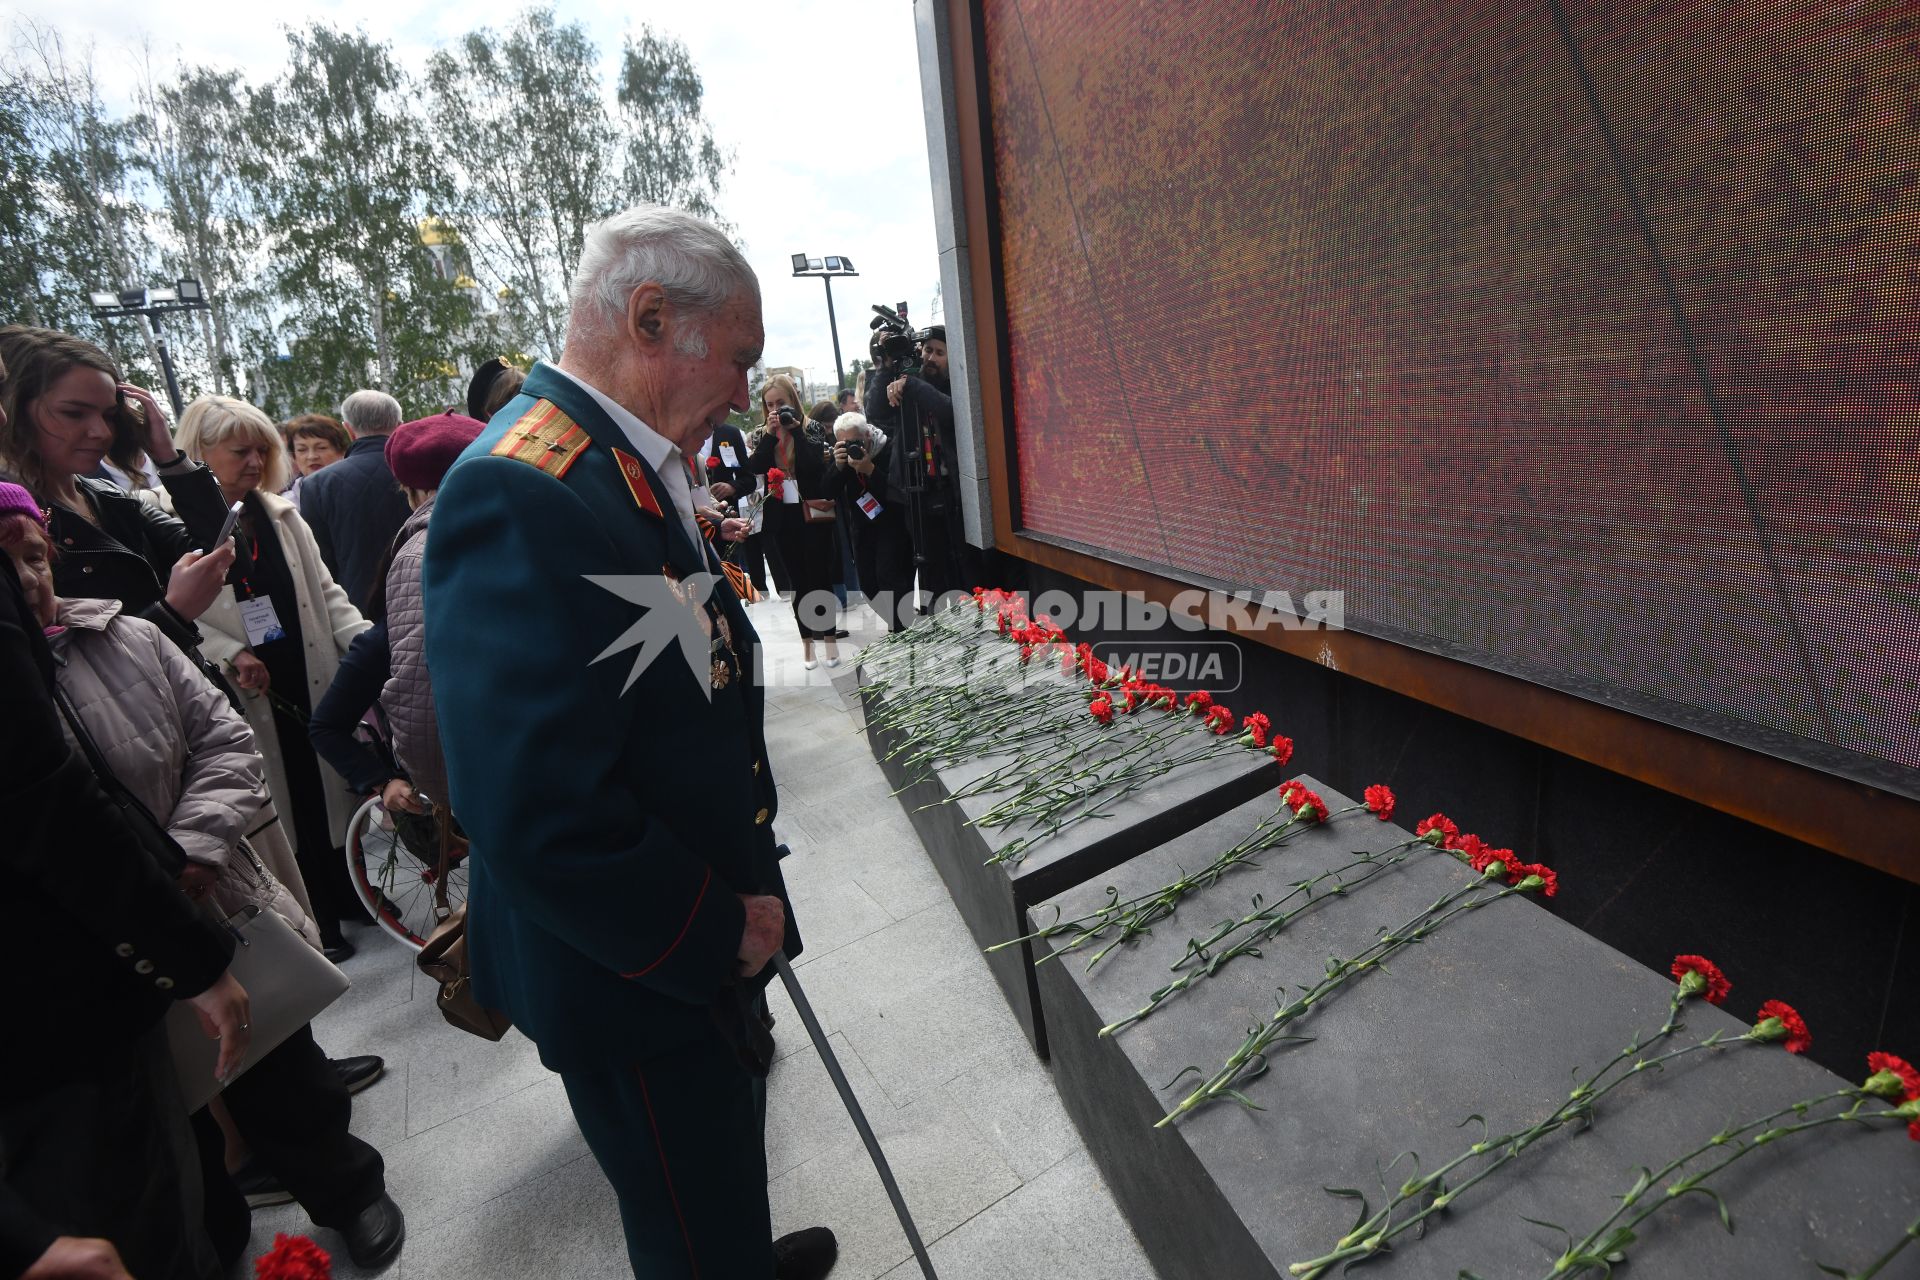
x=657 y=451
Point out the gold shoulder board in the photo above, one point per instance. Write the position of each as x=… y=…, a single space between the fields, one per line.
x=546 y=438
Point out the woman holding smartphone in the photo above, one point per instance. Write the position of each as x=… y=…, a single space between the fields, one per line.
x=799 y=512
x=66 y=410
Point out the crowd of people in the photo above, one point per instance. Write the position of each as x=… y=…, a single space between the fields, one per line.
x=219 y=638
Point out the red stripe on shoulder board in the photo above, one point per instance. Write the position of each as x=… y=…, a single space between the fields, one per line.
x=697 y=900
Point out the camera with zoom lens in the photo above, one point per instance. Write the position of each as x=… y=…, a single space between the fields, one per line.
x=896 y=344
x=855 y=449
x=788 y=416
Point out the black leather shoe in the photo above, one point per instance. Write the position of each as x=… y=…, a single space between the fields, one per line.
x=805 y=1255
x=338 y=950
x=358 y=1073
x=374 y=1236
x=839 y=633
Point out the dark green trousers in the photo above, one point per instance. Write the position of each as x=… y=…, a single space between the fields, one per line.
x=682 y=1138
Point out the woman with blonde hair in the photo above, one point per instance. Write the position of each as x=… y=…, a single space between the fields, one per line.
x=799 y=512
x=280 y=627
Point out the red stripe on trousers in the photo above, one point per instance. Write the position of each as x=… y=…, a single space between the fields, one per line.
x=667 y=1173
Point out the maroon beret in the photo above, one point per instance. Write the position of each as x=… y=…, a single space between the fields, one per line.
x=419 y=452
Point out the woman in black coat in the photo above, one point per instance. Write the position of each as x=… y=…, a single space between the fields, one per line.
x=806 y=545
x=66 y=411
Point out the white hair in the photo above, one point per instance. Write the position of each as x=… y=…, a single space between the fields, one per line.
x=689 y=258
x=370 y=413
x=876 y=438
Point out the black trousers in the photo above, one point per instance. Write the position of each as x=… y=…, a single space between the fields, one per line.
x=758 y=555
x=293 y=1110
x=682 y=1138
x=884 y=557
x=812 y=562
x=109 y=1154
x=323 y=864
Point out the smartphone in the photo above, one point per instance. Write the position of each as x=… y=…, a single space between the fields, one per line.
x=226 y=530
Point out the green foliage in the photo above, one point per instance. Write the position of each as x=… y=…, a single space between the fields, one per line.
x=352 y=226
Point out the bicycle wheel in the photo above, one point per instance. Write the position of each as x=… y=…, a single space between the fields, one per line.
x=395 y=880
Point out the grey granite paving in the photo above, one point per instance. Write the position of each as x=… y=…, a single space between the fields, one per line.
x=484 y=1157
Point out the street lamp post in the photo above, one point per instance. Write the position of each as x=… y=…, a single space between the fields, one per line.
x=827 y=269
x=183 y=296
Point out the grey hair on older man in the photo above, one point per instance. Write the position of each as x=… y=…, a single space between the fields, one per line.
x=689 y=258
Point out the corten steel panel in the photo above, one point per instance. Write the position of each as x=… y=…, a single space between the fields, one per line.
x=1491 y=1015
x=1866 y=822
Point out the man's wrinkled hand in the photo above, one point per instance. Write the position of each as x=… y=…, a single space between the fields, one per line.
x=895 y=389
x=766 y=932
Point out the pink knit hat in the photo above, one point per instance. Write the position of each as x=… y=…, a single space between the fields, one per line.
x=15 y=500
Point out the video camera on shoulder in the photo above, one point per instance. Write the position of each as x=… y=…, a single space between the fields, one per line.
x=896 y=343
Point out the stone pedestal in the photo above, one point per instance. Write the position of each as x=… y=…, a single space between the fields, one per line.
x=993 y=898
x=1498 y=1013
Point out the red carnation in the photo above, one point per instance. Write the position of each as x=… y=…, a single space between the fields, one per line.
x=1439 y=822
x=294 y=1258
x=713 y=462
x=1282 y=748
x=1908 y=1079
x=776 y=482
x=1257 y=726
x=1220 y=720
x=1790 y=1026
x=1517 y=873
x=1199 y=698
x=1706 y=979
x=1102 y=709
x=1297 y=798
x=1380 y=802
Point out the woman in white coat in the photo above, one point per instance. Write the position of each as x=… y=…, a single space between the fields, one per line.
x=280 y=627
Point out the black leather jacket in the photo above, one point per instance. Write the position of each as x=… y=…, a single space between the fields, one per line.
x=130 y=553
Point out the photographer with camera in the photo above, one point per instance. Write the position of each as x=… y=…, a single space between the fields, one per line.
x=882 y=551
x=799 y=512
x=910 y=396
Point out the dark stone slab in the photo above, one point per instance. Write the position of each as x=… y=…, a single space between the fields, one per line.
x=993 y=899
x=1492 y=1015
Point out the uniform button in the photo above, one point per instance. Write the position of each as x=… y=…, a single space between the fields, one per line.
x=143 y=966
x=760 y=818
x=165 y=984
x=756 y=768
x=86 y=568
x=124 y=949
x=67 y=541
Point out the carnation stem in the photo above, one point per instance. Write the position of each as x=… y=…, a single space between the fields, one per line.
x=1264 y=923
x=1879 y=1264
x=1374 y=1234
x=1248 y=1062
x=1599 y=1246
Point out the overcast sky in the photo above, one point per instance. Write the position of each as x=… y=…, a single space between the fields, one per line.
x=796 y=88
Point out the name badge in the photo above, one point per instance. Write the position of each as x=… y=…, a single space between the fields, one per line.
x=261 y=622
x=728 y=457
x=869 y=504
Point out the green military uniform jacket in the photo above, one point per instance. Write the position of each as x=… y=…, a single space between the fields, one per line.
x=612 y=824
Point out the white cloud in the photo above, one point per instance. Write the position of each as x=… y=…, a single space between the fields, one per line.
x=819 y=99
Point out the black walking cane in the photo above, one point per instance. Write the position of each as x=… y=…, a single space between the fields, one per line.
x=819 y=1036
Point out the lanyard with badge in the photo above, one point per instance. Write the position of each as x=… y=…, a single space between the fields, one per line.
x=257 y=614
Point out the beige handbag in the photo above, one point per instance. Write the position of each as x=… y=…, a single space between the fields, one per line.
x=288 y=983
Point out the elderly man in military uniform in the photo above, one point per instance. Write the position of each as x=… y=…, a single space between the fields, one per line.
x=593 y=669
